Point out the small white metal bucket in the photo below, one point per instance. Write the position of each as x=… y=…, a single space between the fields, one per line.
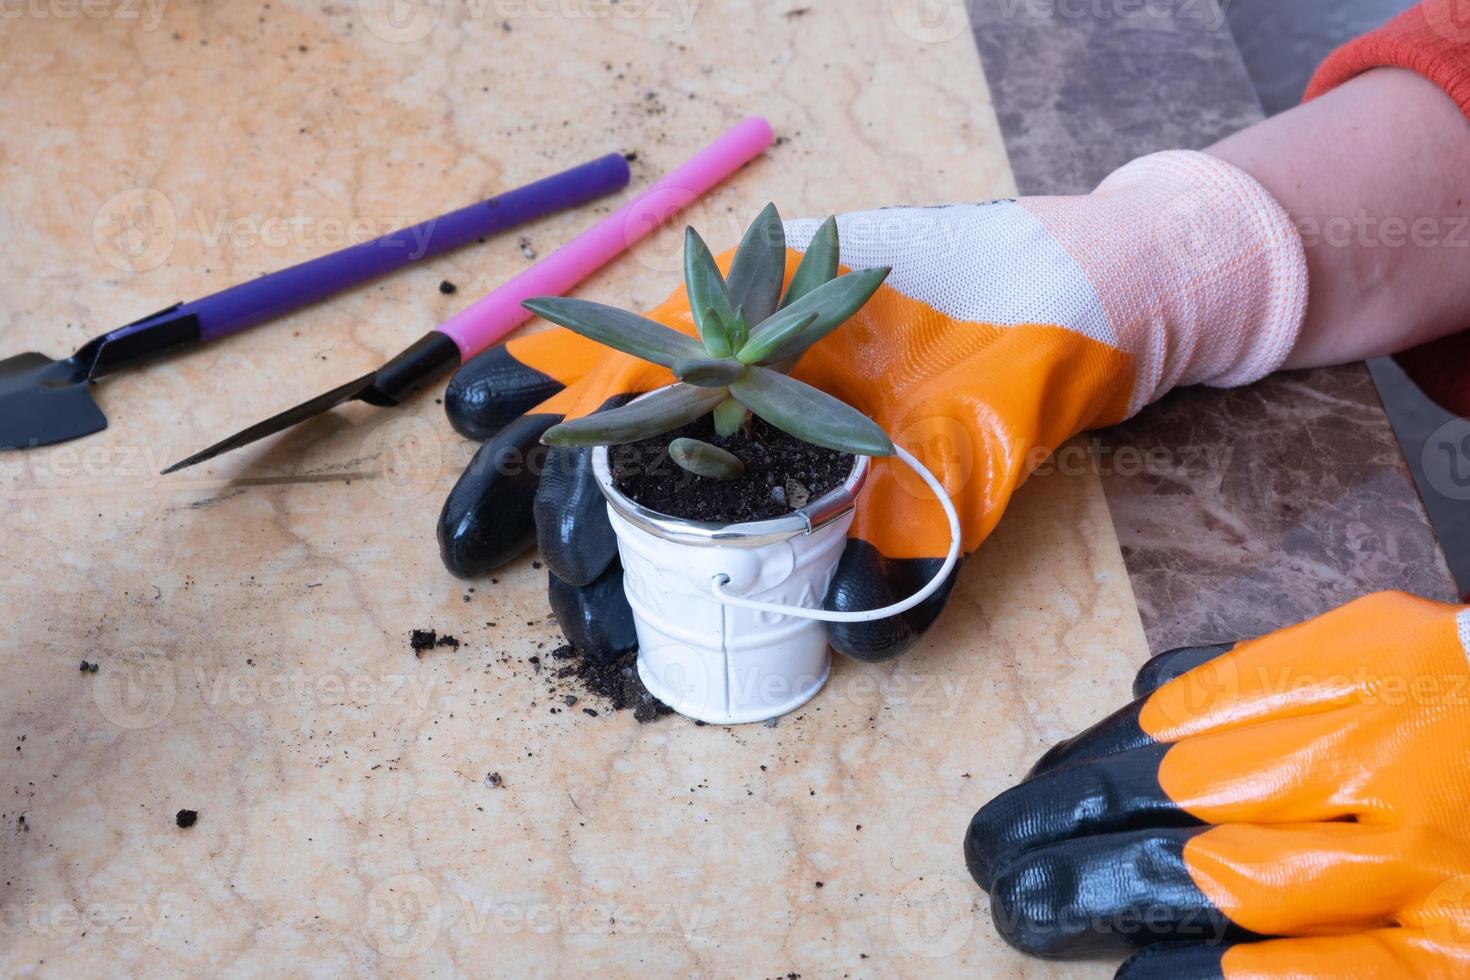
x=710 y=660
x=729 y=616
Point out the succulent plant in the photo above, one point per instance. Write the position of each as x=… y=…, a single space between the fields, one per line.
x=750 y=335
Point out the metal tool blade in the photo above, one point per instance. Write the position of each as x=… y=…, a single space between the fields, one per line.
x=44 y=401
x=276 y=423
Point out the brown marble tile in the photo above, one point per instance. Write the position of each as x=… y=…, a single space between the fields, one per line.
x=1312 y=504
x=1265 y=505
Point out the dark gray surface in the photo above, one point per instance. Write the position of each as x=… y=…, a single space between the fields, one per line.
x=1282 y=43
x=1305 y=500
x=1078 y=96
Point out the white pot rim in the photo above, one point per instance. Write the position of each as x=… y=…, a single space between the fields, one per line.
x=818 y=513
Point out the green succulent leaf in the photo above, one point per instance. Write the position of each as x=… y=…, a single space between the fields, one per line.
x=810 y=413
x=818 y=265
x=619 y=329
x=739 y=330
x=774 y=334
x=709 y=372
x=708 y=298
x=660 y=412
x=703 y=459
x=790 y=332
x=730 y=415
x=759 y=266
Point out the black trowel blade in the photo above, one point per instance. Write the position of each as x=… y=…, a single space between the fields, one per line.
x=44 y=401
x=276 y=423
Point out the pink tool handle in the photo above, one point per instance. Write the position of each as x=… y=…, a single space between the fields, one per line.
x=499 y=312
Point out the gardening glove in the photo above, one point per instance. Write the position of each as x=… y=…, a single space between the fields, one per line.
x=1003 y=330
x=1312 y=784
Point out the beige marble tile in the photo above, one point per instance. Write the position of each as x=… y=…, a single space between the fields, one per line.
x=251 y=617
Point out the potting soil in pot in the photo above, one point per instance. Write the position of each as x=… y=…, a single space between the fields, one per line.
x=782 y=473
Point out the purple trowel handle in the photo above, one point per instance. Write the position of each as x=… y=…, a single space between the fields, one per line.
x=280 y=292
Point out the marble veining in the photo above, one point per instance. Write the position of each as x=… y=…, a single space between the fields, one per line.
x=251 y=618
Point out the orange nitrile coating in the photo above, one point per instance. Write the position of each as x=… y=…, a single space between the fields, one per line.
x=981 y=405
x=557 y=353
x=1332 y=760
x=1384 y=954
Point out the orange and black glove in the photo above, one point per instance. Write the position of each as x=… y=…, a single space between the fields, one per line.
x=1291 y=807
x=1003 y=330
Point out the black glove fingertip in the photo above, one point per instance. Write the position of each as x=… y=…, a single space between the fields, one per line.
x=1193 y=962
x=572 y=528
x=868 y=579
x=490 y=390
x=487 y=518
x=595 y=618
x=1175 y=663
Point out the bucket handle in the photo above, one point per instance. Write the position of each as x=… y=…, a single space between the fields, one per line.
x=720 y=579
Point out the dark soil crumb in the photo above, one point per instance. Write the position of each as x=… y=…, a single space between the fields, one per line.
x=616 y=683
x=781 y=474
x=88 y=668
x=421 y=640
x=631 y=156
x=186 y=818
x=493 y=780
x=448 y=288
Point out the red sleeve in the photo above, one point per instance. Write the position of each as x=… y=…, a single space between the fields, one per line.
x=1433 y=40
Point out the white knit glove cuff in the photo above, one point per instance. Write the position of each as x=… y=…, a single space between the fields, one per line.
x=1201 y=271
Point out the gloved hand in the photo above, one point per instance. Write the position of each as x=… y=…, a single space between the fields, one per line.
x=1312 y=784
x=1003 y=330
